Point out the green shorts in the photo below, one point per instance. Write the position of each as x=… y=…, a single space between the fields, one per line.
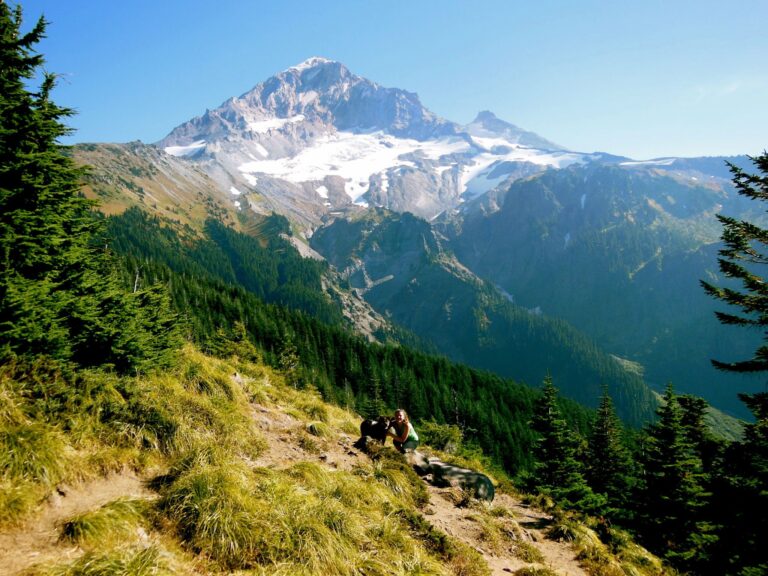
x=409 y=445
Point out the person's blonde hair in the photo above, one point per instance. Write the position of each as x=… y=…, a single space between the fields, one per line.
x=404 y=413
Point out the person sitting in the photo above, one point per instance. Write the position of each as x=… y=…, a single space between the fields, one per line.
x=404 y=437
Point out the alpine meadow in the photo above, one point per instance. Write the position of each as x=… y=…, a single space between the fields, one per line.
x=192 y=332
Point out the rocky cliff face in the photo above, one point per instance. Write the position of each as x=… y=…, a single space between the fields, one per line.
x=323 y=92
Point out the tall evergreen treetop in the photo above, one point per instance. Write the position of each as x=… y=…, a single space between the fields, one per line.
x=42 y=213
x=744 y=499
x=557 y=469
x=59 y=291
x=743 y=253
x=673 y=495
x=609 y=467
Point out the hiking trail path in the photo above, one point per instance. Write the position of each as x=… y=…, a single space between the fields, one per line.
x=36 y=541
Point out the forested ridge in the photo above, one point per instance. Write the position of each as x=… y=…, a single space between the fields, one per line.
x=425 y=289
x=346 y=368
x=92 y=373
x=627 y=276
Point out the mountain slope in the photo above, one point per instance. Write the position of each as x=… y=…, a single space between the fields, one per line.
x=124 y=175
x=446 y=305
x=398 y=264
x=618 y=252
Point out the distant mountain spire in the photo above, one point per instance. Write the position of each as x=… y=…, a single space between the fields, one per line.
x=486 y=123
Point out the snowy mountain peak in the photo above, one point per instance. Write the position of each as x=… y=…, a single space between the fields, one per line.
x=318 y=135
x=312 y=62
x=322 y=93
x=315 y=74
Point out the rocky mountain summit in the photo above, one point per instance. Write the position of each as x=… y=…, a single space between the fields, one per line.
x=316 y=138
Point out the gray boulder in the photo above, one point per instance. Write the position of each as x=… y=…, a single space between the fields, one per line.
x=472 y=481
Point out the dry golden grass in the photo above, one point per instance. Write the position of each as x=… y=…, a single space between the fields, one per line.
x=217 y=510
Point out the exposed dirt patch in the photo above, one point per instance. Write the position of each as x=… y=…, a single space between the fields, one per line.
x=37 y=539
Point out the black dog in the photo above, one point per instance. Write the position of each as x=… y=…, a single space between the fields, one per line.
x=373 y=429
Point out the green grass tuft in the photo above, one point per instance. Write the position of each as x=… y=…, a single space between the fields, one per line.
x=309 y=443
x=391 y=468
x=33 y=452
x=319 y=429
x=204 y=376
x=315 y=409
x=117 y=521
x=132 y=561
x=11 y=411
x=214 y=509
x=527 y=552
x=564 y=529
x=17 y=499
x=535 y=571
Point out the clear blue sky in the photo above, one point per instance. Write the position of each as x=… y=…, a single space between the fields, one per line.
x=640 y=78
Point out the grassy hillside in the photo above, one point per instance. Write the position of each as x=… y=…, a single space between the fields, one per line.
x=122 y=176
x=241 y=473
x=272 y=299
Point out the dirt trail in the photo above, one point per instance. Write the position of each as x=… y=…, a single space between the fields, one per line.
x=36 y=541
x=281 y=430
x=458 y=523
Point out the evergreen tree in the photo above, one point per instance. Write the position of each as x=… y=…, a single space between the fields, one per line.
x=44 y=224
x=740 y=258
x=226 y=343
x=707 y=447
x=741 y=491
x=375 y=405
x=557 y=470
x=289 y=362
x=608 y=465
x=741 y=498
x=672 y=497
x=60 y=293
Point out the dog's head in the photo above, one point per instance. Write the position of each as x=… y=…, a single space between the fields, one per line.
x=384 y=421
